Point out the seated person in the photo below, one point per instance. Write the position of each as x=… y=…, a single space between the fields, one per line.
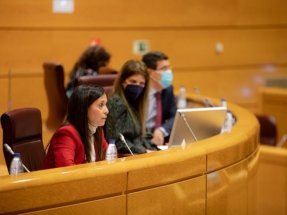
x=127 y=105
x=93 y=61
x=81 y=139
x=160 y=121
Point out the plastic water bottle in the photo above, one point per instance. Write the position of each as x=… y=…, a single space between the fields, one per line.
x=223 y=103
x=16 y=166
x=227 y=126
x=181 y=102
x=228 y=123
x=112 y=152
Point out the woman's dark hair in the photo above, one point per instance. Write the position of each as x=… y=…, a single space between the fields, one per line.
x=93 y=58
x=78 y=105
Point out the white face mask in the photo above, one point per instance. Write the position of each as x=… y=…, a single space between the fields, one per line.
x=166 y=78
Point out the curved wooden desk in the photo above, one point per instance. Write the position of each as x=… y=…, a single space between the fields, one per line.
x=213 y=176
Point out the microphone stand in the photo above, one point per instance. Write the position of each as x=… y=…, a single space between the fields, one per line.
x=184 y=119
x=206 y=100
x=124 y=141
x=8 y=149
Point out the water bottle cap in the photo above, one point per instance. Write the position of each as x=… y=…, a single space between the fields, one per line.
x=16 y=154
x=112 y=141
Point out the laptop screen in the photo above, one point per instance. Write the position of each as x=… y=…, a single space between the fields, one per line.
x=196 y=124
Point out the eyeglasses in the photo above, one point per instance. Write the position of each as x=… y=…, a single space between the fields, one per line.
x=163 y=69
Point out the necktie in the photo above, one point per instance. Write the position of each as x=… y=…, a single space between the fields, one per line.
x=158 y=110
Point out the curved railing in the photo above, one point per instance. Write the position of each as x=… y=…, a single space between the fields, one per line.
x=212 y=176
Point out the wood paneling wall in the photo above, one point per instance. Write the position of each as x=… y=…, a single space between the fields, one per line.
x=253 y=34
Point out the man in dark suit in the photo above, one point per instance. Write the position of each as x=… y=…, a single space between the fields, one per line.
x=162 y=106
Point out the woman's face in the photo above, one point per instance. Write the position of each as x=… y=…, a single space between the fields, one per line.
x=98 y=111
x=136 y=79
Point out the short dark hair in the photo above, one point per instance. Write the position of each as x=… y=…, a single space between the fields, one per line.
x=151 y=59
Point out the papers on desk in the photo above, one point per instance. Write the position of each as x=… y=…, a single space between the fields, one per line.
x=163 y=147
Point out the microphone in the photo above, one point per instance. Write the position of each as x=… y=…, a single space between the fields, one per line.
x=8 y=149
x=184 y=119
x=208 y=103
x=124 y=141
x=196 y=90
x=206 y=100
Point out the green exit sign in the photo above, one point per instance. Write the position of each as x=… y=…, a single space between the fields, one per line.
x=140 y=47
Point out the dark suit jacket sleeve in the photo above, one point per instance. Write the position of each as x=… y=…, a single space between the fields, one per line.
x=169 y=108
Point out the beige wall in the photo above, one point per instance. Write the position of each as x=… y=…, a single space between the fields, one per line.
x=253 y=35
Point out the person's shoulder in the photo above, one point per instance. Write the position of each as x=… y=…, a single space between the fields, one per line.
x=67 y=130
x=169 y=89
x=116 y=105
x=115 y=99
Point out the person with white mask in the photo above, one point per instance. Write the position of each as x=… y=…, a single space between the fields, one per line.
x=162 y=105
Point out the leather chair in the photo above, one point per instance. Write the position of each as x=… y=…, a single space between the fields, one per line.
x=106 y=81
x=56 y=94
x=22 y=131
x=268 y=130
x=107 y=70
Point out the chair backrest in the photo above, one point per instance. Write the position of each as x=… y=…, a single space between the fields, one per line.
x=22 y=131
x=268 y=130
x=106 y=81
x=107 y=70
x=56 y=94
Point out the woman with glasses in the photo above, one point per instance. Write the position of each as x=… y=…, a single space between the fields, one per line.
x=128 y=107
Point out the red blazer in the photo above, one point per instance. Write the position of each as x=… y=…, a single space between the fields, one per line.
x=67 y=149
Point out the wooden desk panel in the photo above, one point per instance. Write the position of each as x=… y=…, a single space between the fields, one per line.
x=227 y=190
x=183 y=197
x=61 y=187
x=271 y=180
x=166 y=167
x=194 y=179
x=106 y=206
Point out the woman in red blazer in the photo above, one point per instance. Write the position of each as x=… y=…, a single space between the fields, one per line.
x=81 y=138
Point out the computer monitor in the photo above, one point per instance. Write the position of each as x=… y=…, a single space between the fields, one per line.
x=196 y=124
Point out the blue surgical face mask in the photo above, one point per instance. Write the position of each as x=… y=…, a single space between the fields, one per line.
x=166 y=79
x=132 y=92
